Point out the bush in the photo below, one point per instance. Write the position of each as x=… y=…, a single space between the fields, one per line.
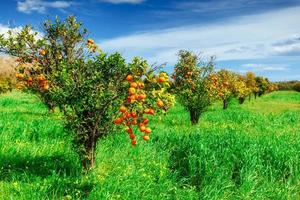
x=297 y=87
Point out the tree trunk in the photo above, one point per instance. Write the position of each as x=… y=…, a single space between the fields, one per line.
x=194 y=117
x=249 y=97
x=225 y=104
x=88 y=160
x=255 y=95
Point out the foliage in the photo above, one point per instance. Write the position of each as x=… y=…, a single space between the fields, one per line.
x=40 y=56
x=190 y=83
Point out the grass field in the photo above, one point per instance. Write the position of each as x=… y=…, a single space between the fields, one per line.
x=246 y=152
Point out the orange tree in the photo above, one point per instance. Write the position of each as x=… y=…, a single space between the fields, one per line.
x=222 y=86
x=147 y=94
x=39 y=55
x=190 y=83
x=88 y=86
x=262 y=85
x=251 y=83
x=240 y=89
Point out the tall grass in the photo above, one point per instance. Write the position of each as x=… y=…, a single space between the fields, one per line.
x=245 y=152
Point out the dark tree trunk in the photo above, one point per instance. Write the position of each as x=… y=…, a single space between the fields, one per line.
x=194 y=117
x=88 y=159
x=255 y=95
x=241 y=100
x=249 y=97
x=225 y=104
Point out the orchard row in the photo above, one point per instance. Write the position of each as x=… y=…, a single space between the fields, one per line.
x=94 y=90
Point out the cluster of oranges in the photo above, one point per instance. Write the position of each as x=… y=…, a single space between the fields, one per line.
x=137 y=105
x=41 y=81
x=91 y=45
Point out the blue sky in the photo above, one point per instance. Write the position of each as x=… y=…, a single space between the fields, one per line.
x=245 y=35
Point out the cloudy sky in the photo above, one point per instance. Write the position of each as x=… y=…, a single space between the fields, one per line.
x=262 y=36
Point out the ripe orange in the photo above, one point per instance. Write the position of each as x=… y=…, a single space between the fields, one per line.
x=134 y=115
x=90 y=42
x=122 y=109
x=132 y=136
x=145 y=121
x=134 y=122
x=128 y=115
x=142 y=96
x=161 y=79
x=46 y=87
x=142 y=128
x=146 y=137
x=129 y=78
x=133 y=142
x=129 y=130
x=131 y=91
x=141 y=85
x=134 y=85
x=160 y=103
x=118 y=121
x=152 y=111
x=147 y=131
x=30 y=79
x=42 y=52
x=147 y=110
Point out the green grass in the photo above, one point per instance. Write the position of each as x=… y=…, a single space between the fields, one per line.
x=249 y=151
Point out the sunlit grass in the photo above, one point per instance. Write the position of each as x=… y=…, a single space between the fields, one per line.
x=249 y=151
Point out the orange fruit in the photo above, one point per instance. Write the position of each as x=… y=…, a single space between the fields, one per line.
x=141 y=85
x=146 y=137
x=30 y=79
x=152 y=111
x=145 y=121
x=128 y=115
x=134 y=115
x=46 y=87
x=134 y=122
x=147 y=111
x=133 y=142
x=134 y=85
x=129 y=130
x=122 y=109
x=90 y=42
x=160 y=103
x=161 y=79
x=142 y=128
x=118 y=121
x=129 y=78
x=132 y=136
x=147 y=131
x=42 y=52
x=131 y=91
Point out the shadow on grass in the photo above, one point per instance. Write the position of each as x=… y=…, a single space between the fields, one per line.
x=42 y=166
x=62 y=174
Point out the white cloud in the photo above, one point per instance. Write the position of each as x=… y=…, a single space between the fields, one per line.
x=4 y=29
x=255 y=67
x=124 y=1
x=40 y=6
x=245 y=37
